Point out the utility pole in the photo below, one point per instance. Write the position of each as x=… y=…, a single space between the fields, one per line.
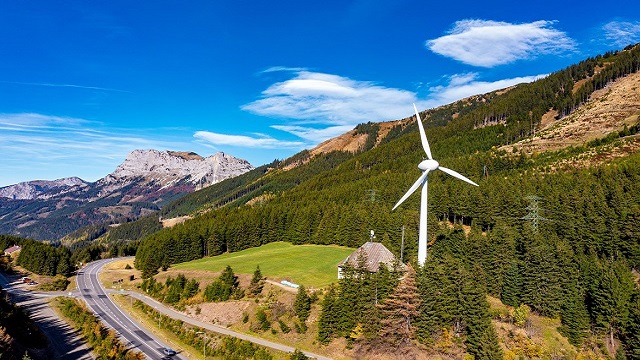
x=204 y=344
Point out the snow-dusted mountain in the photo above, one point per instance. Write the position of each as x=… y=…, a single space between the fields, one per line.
x=144 y=182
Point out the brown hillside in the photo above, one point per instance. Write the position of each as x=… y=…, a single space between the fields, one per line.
x=608 y=110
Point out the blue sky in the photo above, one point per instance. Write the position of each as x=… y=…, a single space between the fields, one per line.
x=82 y=83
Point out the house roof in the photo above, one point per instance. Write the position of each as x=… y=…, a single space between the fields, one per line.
x=12 y=249
x=375 y=253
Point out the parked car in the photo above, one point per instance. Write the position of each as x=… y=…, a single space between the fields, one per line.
x=168 y=351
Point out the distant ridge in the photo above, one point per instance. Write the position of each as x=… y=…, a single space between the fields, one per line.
x=144 y=182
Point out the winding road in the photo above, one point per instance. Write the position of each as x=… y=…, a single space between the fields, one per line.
x=94 y=294
x=96 y=297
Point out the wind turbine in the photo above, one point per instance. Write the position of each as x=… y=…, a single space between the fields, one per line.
x=426 y=166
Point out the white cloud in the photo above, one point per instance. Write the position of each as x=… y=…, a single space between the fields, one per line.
x=312 y=134
x=261 y=142
x=319 y=98
x=622 y=33
x=461 y=86
x=488 y=43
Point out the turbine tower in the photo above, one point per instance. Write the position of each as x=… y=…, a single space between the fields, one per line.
x=426 y=166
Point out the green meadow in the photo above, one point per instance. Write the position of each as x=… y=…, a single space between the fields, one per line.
x=313 y=266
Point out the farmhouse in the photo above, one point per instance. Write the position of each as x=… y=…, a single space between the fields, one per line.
x=375 y=254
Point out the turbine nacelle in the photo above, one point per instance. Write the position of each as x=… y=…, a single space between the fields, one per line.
x=428 y=165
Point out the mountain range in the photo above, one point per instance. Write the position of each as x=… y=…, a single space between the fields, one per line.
x=143 y=183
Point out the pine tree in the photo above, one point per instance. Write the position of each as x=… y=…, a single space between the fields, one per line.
x=632 y=329
x=328 y=321
x=482 y=340
x=257 y=282
x=190 y=289
x=399 y=311
x=302 y=304
x=612 y=299
x=229 y=278
x=512 y=286
x=575 y=317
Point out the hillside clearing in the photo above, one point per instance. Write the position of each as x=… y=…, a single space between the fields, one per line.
x=313 y=266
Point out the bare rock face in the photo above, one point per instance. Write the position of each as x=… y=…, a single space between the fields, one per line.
x=39 y=188
x=167 y=167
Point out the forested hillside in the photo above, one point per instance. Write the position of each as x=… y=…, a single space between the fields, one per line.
x=562 y=242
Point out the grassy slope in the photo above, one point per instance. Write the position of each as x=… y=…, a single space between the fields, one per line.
x=310 y=265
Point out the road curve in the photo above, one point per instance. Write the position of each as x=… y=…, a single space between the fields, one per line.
x=170 y=312
x=93 y=293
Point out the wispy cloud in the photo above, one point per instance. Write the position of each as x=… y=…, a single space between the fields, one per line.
x=283 y=68
x=68 y=146
x=487 y=43
x=622 y=33
x=319 y=98
x=314 y=135
x=65 y=86
x=460 y=86
x=260 y=141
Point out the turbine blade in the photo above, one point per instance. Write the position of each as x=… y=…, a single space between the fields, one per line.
x=412 y=189
x=457 y=175
x=423 y=135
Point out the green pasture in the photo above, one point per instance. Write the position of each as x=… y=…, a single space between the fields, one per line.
x=313 y=266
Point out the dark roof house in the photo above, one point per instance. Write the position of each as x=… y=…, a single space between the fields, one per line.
x=374 y=253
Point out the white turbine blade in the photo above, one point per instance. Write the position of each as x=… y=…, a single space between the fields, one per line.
x=457 y=175
x=412 y=189
x=423 y=135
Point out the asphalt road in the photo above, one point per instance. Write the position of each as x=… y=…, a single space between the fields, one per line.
x=92 y=291
x=65 y=342
x=95 y=267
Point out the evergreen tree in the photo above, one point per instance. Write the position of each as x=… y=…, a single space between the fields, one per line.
x=302 y=304
x=632 y=329
x=399 y=311
x=329 y=314
x=612 y=299
x=575 y=317
x=190 y=289
x=173 y=293
x=257 y=282
x=512 y=286
x=229 y=278
x=482 y=340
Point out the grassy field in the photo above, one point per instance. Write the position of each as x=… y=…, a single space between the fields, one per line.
x=313 y=266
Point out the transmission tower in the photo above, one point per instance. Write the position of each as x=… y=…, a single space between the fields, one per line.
x=534 y=212
x=372 y=195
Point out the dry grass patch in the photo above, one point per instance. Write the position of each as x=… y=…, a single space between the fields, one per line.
x=608 y=110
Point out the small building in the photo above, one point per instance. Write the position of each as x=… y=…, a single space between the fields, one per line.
x=374 y=253
x=12 y=249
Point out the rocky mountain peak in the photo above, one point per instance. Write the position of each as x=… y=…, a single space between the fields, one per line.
x=169 y=167
x=39 y=188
